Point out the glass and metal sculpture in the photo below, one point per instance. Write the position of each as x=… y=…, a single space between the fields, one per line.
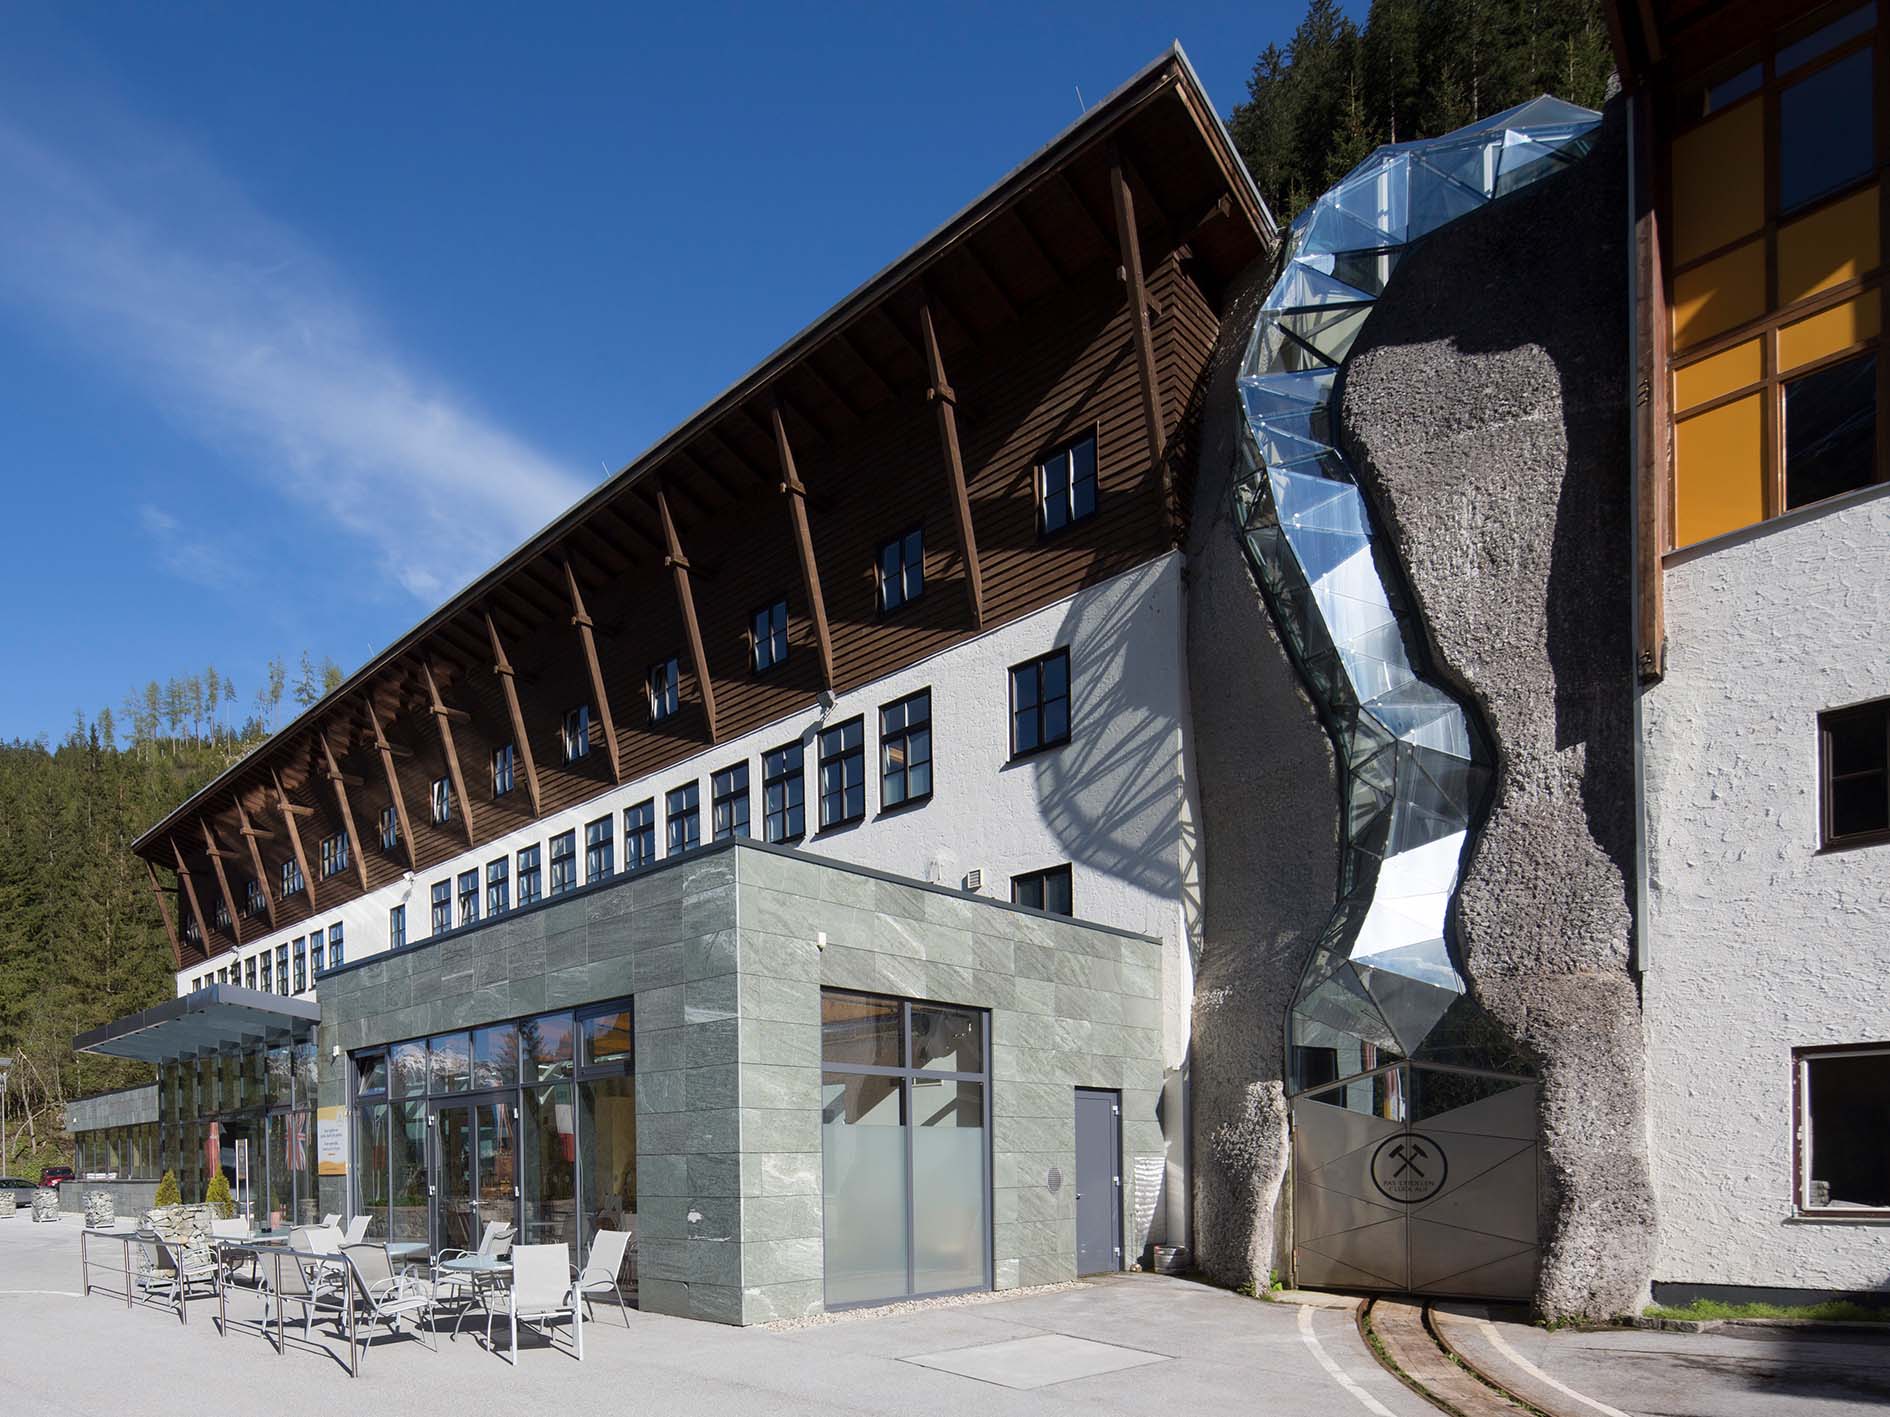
x=1415 y=766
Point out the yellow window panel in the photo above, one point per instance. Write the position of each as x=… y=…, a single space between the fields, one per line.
x=1718 y=179
x=1719 y=471
x=1722 y=293
x=1828 y=247
x=1838 y=328
x=1717 y=374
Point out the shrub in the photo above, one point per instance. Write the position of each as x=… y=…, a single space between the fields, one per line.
x=217 y=1196
x=167 y=1192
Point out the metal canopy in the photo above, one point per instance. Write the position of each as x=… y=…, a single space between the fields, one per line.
x=212 y=1020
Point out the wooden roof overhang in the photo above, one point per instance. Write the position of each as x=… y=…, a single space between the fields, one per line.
x=1677 y=38
x=1153 y=152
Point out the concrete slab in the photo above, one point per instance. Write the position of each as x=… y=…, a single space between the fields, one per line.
x=1040 y=1361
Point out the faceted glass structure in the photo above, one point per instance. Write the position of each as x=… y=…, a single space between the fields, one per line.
x=1416 y=770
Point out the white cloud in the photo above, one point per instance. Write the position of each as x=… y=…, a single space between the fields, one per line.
x=236 y=328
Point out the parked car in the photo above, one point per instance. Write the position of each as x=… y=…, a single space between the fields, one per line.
x=54 y=1175
x=22 y=1190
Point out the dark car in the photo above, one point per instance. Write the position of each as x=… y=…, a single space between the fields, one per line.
x=54 y=1175
x=21 y=1187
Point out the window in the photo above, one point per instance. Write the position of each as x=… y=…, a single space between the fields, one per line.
x=253 y=902
x=783 y=790
x=1044 y=890
x=905 y=750
x=842 y=773
x=468 y=897
x=1040 y=703
x=1854 y=751
x=563 y=862
x=498 y=887
x=901 y=570
x=768 y=634
x=1843 y=1128
x=397 y=928
x=268 y=973
x=599 y=850
x=249 y=972
x=191 y=932
x=502 y=767
x=728 y=799
x=315 y=954
x=1066 y=485
x=390 y=829
x=282 y=968
x=683 y=806
x=334 y=946
x=442 y=800
x=220 y=914
x=442 y=906
x=663 y=699
x=577 y=733
x=639 y=834
x=529 y=887
x=1772 y=258
x=291 y=879
x=334 y=854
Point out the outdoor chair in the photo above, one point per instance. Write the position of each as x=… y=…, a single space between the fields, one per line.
x=301 y=1276
x=356 y=1231
x=496 y=1243
x=220 y=1228
x=171 y=1270
x=542 y=1290
x=320 y=1242
x=383 y=1296
x=600 y=1272
x=332 y=1220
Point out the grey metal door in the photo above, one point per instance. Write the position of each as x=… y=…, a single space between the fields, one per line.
x=1098 y=1181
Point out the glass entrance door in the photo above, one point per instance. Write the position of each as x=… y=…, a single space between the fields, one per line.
x=475 y=1171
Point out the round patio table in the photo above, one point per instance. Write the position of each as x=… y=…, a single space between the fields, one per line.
x=486 y=1273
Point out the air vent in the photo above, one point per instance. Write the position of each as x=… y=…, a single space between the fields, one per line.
x=974 y=879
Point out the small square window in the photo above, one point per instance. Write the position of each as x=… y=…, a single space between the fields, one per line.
x=664 y=678
x=1831 y=431
x=1048 y=890
x=1066 y=486
x=1040 y=703
x=577 y=733
x=768 y=634
x=503 y=760
x=901 y=570
x=441 y=800
x=1854 y=750
x=905 y=750
x=1844 y=1129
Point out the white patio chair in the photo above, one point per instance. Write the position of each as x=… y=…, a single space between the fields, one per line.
x=332 y=1220
x=356 y=1231
x=385 y=1297
x=542 y=1290
x=495 y=1244
x=601 y=1271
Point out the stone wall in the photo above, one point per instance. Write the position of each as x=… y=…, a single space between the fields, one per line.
x=127 y=1107
x=1484 y=406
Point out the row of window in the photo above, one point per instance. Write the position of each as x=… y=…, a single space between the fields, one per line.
x=288 y=969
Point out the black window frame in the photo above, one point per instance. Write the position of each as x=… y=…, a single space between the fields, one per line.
x=468 y=897
x=792 y=757
x=292 y=883
x=440 y=906
x=1041 y=880
x=689 y=814
x=575 y=734
x=335 y=941
x=911 y=566
x=1036 y=667
x=1068 y=487
x=639 y=826
x=390 y=830
x=440 y=801
x=726 y=791
x=856 y=753
x=560 y=882
x=334 y=854
x=1873 y=713
x=755 y=640
x=504 y=770
x=904 y=734
x=600 y=849
x=663 y=684
x=498 y=886
x=529 y=871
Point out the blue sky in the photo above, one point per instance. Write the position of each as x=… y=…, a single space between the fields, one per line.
x=308 y=314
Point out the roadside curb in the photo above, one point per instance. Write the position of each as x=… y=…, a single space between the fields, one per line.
x=1648 y=1321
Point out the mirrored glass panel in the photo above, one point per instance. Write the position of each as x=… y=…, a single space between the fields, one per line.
x=495 y=1056
x=449 y=1062
x=860 y=1030
x=546 y=1044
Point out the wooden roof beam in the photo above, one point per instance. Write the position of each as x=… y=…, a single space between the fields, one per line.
x=341 y=782
x=803 y=543
x=217 y=855
x=443 y=717
x=290 y=811
x=164 y=914
x=945 y=400
x=587 y=641
x=1045 y=249
x=251 y=834
x=627 y=527
x=387 y=752
x=502 y=667
x=1130 y=273
x=845 y=341
x=190 y=894
x=731 y=452
x=686 y=602
x=830 y=389
x=990 y=278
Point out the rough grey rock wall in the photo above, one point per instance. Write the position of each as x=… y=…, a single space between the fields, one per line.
x=1270 y=823
x=1484 y=405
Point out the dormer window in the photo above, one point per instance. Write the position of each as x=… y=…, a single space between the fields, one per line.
x=577 y=733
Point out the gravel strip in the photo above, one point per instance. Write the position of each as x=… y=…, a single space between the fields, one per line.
x=911 y=1306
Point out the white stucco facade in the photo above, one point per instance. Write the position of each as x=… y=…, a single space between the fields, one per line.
x=1759 y=941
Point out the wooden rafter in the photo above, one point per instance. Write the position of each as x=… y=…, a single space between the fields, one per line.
x=1131 y=273
x=803 y=543
x=290 y=811
x=341 y=782
x=387 y=752
x=251 y=834
x=946 y=402
x=989 y=276
x=164 y=914
x=217 y=855
x=502 y=667
x=686 y=601
x=587 y=641
x=845 y=340
x=190 y=894
x=443 y=718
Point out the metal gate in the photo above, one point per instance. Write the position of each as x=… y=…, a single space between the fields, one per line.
x=1417 y=1179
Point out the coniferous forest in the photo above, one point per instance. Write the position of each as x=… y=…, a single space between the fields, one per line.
x=80 y=939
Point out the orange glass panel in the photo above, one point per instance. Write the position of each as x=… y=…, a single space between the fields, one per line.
x=1722 y=293
x=1828 y=332
x=1717 y=374
x=1719 y=181
x=1828 y=247
x=1719 y=471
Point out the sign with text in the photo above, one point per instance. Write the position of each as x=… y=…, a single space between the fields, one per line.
x=331 y=1141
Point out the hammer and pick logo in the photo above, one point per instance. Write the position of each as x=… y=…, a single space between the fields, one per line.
x=1409 y=1168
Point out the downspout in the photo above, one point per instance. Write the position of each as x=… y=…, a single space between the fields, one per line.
x=1639 y=398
